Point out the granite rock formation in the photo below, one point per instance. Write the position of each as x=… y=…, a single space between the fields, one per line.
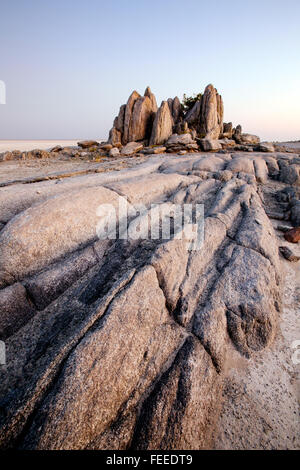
x=135 y=119
x=125 y=344
x=140 y=120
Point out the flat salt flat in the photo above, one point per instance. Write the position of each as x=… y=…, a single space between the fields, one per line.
x=26 y=145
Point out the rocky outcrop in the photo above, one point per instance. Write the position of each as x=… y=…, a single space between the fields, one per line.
x=266 y=147
x=85 y=144
x=139 y=119
x=248 y=139
x=211 y=114
x=115 y=137
x=125 y=344
x=181 y=142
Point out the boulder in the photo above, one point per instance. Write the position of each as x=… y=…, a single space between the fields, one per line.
x=182 y=139
x=209 y=144
x=114 y=152
x=105 y=146
x=115 y=137
x=86 y=144
x=249 y=139
x=162 y=125
x=266 y=147
x=131 y=148
x=119 y=121
x=141 y=120
x=288 y=254
x=227 y=130
x=293 y=235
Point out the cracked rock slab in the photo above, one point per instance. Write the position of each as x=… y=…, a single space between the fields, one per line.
x=123 y=345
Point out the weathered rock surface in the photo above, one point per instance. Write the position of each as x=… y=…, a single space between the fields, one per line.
x=114 y=152
x=134 y=121
x=47 y=231
x=131 y=148
x=141 y=119
x=125 y=344
x=85 y=144
x=154 y=150
x=227 y=130
x=209 y=144
x=115 y=137
x=288 y=254
x=15 y=309
x=162 y=125
x=295 y=212
x=293 y=235
x=249 y=139
x=211 y=114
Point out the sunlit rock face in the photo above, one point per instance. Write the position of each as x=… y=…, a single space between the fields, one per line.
x=141 y=120
x=123 y=343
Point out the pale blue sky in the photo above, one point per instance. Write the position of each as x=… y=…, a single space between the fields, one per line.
x=69 y=64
